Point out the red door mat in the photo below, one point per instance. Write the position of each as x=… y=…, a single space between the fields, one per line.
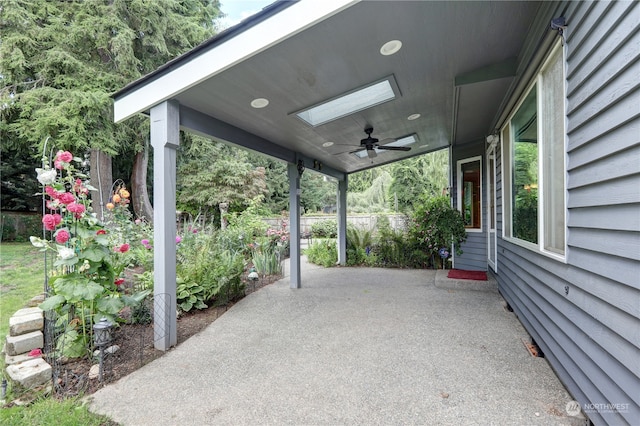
x=467 y=275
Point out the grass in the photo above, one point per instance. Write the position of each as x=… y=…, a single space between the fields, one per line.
x=68 y=412
x=21 y=278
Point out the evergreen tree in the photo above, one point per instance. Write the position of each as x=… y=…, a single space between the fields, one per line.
x=60 y=61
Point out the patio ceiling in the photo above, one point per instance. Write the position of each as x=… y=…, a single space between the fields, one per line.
x=455 y=66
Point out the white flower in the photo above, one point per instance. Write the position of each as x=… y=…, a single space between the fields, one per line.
x=37 y=242
x=65 y=253
x=46 y=176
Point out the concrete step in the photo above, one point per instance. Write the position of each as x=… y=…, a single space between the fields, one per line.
x=25 y=321
x=24 y=343
x=30 y=373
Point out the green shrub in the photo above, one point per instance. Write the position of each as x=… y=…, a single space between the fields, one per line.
x=359 y=243
x=324 y=253
x=436 y=225
x=327 y=228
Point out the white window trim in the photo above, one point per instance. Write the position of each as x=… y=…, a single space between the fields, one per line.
x=506 y=165
x=459 y=190
x=491 y=154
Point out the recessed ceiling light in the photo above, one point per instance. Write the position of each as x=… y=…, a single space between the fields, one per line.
x=390 y=47
x=413 y=117
x=259 y=102
x=327 y=144
x=348 y=103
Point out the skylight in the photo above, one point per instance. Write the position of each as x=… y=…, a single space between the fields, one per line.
x=357 y=100
x=407 y=140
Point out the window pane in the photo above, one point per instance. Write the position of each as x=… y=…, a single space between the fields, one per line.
x=524 y=125
x=506 y=179
x=552 y=115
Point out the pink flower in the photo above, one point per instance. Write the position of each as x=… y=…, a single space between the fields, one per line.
x=77 y=209
x=35 y=352
x=66 y=198
x=178 y=239
x=123 y=248
x=50 y=221
x=62 y=236
x=144 y=242
x=64 y=156
x=119 y=281
x=195 y=230
x=137 y=221
x=101 y=232
x=51 y=192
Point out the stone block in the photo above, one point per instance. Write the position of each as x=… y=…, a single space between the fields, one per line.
x=24 y=343
x=30 y=373
x=27 y=323
x=28 y=311
x=17 y=359
x=36 y=300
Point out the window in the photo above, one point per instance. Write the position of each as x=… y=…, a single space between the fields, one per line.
x=534 y=158
x=469 y=192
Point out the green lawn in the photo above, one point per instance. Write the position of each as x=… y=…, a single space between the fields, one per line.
x=21 y=278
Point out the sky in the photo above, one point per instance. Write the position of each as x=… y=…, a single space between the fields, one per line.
x=237 y=10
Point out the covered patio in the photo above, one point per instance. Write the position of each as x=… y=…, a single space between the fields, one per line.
x=353 y=346
x=305 y=82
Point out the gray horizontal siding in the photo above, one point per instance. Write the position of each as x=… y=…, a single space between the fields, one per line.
x=474 y=257
x=585 y=312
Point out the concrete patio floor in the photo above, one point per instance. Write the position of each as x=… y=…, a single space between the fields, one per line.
x=353 y=346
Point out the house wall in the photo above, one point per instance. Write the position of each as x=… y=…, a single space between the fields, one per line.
x=585 y=313
x=474 y=256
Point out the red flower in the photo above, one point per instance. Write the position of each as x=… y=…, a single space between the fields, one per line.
x=35 y=352
x=50 y=221
x=123 y=248
x=51 y=192
x=101 y=232
x=119 y=281
x=77 y=209
x=66 y=198
x=62 y=236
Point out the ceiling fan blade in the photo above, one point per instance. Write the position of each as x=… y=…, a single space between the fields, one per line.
x=357 y=150
x=394 y=148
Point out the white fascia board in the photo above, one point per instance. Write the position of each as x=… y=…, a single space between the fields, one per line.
x=284 y=24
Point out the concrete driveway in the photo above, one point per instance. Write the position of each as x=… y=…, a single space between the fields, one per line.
x=353 y=346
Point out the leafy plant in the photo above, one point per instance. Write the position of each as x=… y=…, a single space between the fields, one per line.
x=324 y=253
x=189 y=294
x=436 y=225
x=327 y=228
x=359 y=243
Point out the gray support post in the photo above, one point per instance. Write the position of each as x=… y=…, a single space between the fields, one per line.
x=165 y=139
x=342 y=221
x=294 y=224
